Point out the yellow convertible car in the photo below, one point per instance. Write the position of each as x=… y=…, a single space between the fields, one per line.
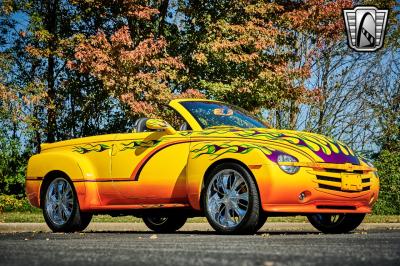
x=218 y=161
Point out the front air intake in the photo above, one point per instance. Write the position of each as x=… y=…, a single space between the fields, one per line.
x=336 y=207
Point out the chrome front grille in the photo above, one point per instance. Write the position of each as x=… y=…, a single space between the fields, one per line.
x=332 y=180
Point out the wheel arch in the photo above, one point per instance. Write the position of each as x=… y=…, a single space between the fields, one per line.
x=222 y=161
x=50 y=176
x=196 y=198
x=227 y=160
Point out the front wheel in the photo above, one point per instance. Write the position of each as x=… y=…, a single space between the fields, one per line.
x=230 y=200
x=61 y=208
x=336 y=223
x=261 y=220
x=164 y=224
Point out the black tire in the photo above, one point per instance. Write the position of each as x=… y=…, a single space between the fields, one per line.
x=77 y=220
x=85 y=219
x=336 y=223
x=251 y=220
x=164 y=223
x=262 y=219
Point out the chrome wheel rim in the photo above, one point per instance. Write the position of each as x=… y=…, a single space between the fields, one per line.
x=227 y=198
x=59 y=201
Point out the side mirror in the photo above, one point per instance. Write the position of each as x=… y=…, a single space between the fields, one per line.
x=158 y=124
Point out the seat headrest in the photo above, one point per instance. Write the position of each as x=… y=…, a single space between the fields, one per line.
x=140 y=125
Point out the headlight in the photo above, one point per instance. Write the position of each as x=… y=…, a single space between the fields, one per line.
x=369 y=163
x=286 y=158
x=365 y=160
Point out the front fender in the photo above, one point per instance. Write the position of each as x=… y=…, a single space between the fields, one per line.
x=204 y=155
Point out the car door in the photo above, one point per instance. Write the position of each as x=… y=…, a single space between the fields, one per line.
x=150 y=167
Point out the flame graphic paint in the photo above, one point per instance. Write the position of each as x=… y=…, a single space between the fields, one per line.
x=91 y=148
x=328 y=150
x=216 y=151
x=135 y=144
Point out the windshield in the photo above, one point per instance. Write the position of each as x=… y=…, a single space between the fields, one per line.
x=211 y=114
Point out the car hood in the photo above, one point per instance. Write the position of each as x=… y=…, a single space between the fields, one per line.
x=319 y=147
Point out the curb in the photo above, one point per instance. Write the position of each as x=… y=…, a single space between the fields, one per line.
x=189 y=227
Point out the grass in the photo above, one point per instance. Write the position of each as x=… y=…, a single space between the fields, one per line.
x=37 y=217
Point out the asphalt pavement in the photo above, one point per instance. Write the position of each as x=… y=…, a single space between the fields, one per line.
x=290 y=245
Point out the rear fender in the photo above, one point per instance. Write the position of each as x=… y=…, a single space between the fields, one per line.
x=76 y=167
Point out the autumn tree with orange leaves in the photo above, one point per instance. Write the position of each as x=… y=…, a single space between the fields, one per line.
x=133 y=64
x=138 y=75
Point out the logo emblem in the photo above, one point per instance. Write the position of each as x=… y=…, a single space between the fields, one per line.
x=365 y=26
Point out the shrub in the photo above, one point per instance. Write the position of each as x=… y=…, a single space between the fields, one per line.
x=388 y=164
x=12 y=203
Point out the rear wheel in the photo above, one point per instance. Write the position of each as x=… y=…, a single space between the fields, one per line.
x=231 y=202
x=164 y=224
x=61 y=208
x=336 y=223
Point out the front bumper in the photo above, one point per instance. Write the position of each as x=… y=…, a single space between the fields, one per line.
x=322 y=189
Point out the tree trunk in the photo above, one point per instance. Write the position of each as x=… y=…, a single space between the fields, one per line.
x=51 y=26
x=278 y=121
x=324 y=88
x=293 y=114
x=37 y=139
x=163 y=13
